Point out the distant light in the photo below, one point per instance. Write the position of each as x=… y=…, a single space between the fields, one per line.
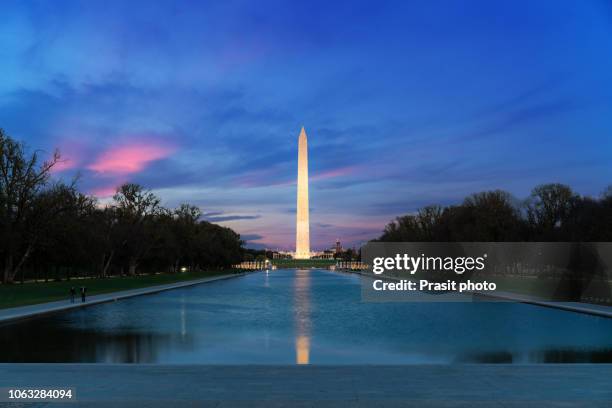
x=184 y=269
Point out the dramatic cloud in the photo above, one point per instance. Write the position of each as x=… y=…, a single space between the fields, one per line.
x=203 y=103
x=123 y=162
x=128 y=159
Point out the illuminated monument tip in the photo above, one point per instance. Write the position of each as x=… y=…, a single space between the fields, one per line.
x=302 y=230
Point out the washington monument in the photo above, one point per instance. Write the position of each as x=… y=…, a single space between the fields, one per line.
x=302 y=228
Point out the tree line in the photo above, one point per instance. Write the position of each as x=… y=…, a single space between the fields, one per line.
x=552 y=212
x=50 y=230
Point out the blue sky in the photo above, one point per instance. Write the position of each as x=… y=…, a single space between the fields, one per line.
x=405 y=103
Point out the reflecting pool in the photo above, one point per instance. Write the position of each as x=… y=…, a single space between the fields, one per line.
x=304 y=317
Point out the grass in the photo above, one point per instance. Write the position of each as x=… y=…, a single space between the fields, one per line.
x=544 y=288
x=31 y=293
x=526 y=285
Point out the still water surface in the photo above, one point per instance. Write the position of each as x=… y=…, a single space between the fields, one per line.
x=304 y=317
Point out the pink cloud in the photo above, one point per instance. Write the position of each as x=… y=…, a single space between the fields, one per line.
x=63 y=165
x=105 y=191
x=130 y=158
x=116 y=164
x=338 y=172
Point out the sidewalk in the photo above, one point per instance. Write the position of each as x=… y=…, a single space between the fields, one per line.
x=23 y=312
x=577 y=307
x=479 y=385
x=588 y=308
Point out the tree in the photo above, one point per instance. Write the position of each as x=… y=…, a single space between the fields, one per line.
x=48 y=225
x=136 y=210
x=552 y=212
x=489 y=216
x=186 y=230
x=102 y=226
x=62 y=222
x=22 y=177
x=548 y=208
x=604 y=221
x=404 y=228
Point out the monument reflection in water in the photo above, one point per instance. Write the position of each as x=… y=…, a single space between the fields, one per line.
x=302 y=316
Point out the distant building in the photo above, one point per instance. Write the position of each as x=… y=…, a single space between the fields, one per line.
x=327 y=254
x=335 y=251
x=282 y=255
x=338 y=247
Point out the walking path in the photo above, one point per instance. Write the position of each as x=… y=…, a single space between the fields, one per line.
x=482 y=385
x=588 y=308
x=23 y=312
x=578 y=307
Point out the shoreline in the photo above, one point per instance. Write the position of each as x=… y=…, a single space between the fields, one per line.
x=14 y=314
x=576 y=307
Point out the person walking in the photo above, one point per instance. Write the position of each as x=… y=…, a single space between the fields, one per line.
x=83 y=293
x=72 y=294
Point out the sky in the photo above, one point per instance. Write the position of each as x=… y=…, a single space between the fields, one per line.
x=405 y=103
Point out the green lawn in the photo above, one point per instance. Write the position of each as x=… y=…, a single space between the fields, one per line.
x=550 y=289
x=40 y=292
x=526 y=285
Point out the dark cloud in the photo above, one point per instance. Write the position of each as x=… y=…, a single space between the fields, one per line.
x=323 y=225
x=255 y=245
x=251 y=237
x=291 y=210
x=219 y=217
